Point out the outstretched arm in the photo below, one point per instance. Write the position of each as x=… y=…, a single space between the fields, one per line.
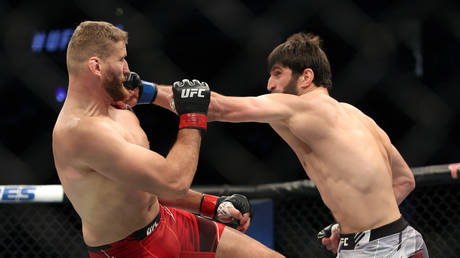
x=264 y=108
x=164 y=97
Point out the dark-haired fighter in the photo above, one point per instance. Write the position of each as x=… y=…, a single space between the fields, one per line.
x=360 y=175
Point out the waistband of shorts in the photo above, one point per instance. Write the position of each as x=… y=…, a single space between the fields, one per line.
x=385 y=230
x=137 y=235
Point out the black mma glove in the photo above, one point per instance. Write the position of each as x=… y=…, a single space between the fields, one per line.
x=191 y=101
x=213 y=207
x=331 y=242
x=147 y=90
x=327 y=231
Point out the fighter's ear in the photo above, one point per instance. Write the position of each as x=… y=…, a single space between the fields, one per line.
x=307 y=77
x=94 y=65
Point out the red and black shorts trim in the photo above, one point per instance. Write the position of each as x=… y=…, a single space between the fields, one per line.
x=137 y=235
x=173 y=233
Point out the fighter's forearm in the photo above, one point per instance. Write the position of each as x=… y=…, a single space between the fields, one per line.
x=266 y=108
x=215 y=110
x=183 y=161
x=228 y=109
x=190 y=202
x=164 y=97
x=402 y=190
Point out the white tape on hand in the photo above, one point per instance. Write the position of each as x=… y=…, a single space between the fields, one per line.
x=336 y=228
x=172 y=105
x=223 y=211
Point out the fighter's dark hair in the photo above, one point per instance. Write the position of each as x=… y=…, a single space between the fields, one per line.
x=301 y=51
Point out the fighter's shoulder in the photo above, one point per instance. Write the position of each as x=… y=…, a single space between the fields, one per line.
x=356 y=111
x=124 y=116
x=290 y=100
x=319 y=104
x=80 y=128
x=94 y=126
x=77 y=136
x=369 y=121
x=349 y=106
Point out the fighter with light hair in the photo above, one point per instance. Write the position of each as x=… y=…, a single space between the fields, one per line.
x=122 y=190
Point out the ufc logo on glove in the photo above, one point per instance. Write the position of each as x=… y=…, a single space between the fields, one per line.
x=191 y=101
x=186 y=93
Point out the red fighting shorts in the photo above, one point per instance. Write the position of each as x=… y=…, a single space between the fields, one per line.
x=173 y=233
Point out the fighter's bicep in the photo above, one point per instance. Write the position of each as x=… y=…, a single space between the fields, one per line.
x=111 y=155
x=263 y=109
x=269 y=108
x=139 y=167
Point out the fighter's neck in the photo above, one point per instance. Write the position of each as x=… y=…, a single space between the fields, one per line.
x=90 y=99
x=314 y=89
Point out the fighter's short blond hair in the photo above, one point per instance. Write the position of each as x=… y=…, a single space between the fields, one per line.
x=92 y=38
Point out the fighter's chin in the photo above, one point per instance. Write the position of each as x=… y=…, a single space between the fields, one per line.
x=120 y=94
x=126 y=93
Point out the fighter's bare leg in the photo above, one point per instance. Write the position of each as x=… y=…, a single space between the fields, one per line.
x=236 y=244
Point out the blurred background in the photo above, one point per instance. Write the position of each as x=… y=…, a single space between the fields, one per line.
x=398 y=61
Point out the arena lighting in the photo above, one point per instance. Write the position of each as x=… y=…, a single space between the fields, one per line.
x=54 y=40
x=61 y=93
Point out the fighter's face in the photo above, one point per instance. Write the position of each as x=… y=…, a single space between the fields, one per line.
x=282 y=80
x=115 y=72
x=113 y=84
x=291 y=86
